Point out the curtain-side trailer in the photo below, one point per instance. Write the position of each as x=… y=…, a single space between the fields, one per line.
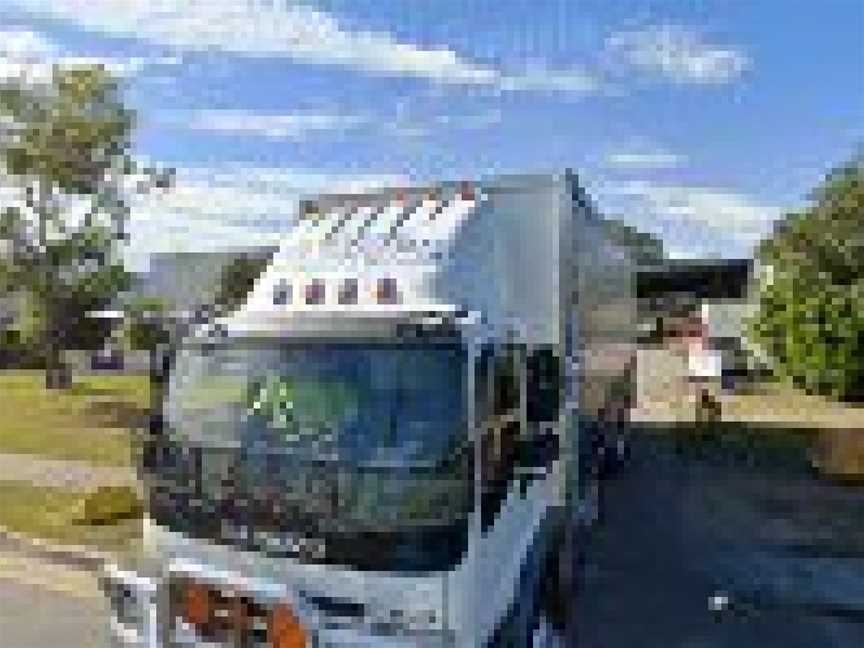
x=388 y=443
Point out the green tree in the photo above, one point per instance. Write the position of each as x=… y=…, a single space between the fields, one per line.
x=65 y=146
x=811 y=315
x=237 y=279
x=145 y=324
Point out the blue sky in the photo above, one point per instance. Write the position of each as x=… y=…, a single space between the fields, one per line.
x=699 y=121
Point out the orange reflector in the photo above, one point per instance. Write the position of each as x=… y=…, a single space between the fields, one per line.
x=285 y=630
x=196 y=608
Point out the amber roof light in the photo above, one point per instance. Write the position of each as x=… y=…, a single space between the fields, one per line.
x=386 y=291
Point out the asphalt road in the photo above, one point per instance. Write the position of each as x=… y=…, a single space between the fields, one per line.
x=714 y=551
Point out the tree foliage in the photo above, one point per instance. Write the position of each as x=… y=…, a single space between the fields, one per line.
x=237 y=279
x=645 y=248
x=65 y=156
x=811 y=316
x=145 y=324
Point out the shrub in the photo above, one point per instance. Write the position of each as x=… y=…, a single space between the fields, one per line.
x=811 y=315
x=110 y=504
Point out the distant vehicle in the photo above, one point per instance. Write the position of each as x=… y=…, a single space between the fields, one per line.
x=387 y=444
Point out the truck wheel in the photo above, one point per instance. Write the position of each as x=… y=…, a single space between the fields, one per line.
x=520 y=628
x=559 y=587
x=517 y=631
x=547 y=635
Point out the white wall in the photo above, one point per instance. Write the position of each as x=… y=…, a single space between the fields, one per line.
x=727 y=318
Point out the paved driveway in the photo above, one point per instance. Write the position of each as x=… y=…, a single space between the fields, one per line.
x=43 y=604
x=779 y=554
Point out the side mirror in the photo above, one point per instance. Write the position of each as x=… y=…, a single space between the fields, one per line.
x=539 y=449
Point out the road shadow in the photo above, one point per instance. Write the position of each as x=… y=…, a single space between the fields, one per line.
x=752 y=446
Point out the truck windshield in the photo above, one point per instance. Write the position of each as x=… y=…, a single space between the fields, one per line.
x=331 y=441
x=366 y=406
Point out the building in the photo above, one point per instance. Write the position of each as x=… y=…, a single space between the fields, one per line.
x=693 y=317
x=188 y=281
x=719 y=294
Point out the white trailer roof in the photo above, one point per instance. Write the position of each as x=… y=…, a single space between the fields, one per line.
x=492 y=247
x=369 y=225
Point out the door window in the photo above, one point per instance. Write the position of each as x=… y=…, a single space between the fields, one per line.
x=499 y=400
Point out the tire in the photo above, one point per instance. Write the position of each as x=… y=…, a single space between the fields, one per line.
x=517 y=631
x=549 y=596
x=547 y=635
x=520 y=626
x=616 y=454
x=560 y=582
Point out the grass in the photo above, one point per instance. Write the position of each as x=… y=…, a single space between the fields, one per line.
x=781 y=402
x=57 y=515
x=92 y=421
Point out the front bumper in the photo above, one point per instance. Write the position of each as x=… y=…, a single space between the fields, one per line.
x=141 y=617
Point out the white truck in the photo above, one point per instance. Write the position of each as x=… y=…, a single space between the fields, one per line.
x=382 y=446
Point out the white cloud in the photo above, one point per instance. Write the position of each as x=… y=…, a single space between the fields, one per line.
x=122 y=66
x=26 y=54
x=26 y=46
x=217 y=208
x=642 y=156
x=256 y=197
x=538 y=77
x=678 y=53
x=298 y=32
x=299 y=125
x=643 y=160
x=262 y=29
x=290 y=126
x=408 y=126
x=736 y=215
x=690 y=252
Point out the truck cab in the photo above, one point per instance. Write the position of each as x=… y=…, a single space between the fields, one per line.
x=380 y=447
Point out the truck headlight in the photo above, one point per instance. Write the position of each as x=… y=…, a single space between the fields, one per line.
x=131 y=599
x=124 y=604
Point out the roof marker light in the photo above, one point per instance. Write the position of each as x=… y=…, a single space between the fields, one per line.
x=348 y=291
x=282 y=293
x=386 y=291
x=315 y=292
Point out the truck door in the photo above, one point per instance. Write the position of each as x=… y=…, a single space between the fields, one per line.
x=516 y=485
